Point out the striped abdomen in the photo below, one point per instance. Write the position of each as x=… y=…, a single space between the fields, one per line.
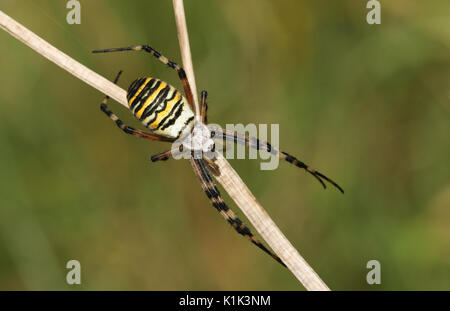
x=160 y=107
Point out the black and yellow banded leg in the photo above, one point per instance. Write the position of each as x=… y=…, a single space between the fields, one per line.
x=164 y=60
x=166 y=155
x=287 y=157
x=128 y=129
x=204 y=107
x=255 y=143
x=163 y=156
x=216 y=200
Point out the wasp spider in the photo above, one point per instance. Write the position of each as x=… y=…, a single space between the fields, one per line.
x=169 y=115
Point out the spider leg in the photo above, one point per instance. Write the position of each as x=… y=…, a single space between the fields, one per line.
x=204 y=108
x=216 y=200
x=213 y=168
x=255 y=143
x=128 y=129
x=163 y=156
x=164 y=60
x=166 y=155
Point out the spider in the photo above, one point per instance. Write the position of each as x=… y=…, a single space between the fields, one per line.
x=169 y=116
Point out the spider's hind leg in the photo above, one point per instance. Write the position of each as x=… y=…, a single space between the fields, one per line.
x=128 y=129
x=164 y=60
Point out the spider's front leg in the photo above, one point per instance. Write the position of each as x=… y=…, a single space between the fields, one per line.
x=163 y=156
x=255 y=143
x=166 y=155
x=214 y=196
x=204 y=108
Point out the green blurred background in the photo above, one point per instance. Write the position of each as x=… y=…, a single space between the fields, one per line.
x=368 y=105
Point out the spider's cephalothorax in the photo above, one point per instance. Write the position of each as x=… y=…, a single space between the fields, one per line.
x=160 y=107
x=168 y=115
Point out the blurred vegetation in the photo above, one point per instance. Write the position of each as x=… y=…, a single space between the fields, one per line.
x=368 y=105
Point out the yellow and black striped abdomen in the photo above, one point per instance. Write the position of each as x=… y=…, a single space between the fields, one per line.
x=160 y=107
